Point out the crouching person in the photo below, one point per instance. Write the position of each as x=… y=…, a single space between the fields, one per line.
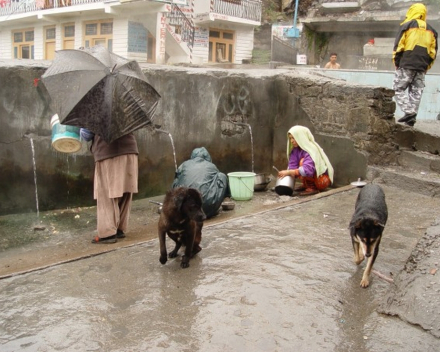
x=307 y=162
x=200 y=173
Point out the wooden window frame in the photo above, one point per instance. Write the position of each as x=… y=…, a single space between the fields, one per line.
x=89 y=40
x=18 y=46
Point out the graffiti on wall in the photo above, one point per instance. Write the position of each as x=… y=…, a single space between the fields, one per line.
x=235 y=109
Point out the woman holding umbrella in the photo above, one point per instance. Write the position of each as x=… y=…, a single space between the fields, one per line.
x=115 y=181
x=108 y=96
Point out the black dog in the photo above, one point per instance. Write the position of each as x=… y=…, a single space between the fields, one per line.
x=366 y=227
x=182 y=219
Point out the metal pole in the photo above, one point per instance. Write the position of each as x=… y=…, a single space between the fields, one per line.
x=295 y=19
x=296 y=14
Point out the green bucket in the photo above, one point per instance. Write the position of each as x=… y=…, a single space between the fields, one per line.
x=242 y=185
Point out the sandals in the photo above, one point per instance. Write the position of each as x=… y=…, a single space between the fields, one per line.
x=110 y=239
x=309 y=192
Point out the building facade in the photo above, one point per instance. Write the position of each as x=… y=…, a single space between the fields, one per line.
x=155 y=31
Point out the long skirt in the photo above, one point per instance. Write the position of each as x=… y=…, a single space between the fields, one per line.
x=320 y=183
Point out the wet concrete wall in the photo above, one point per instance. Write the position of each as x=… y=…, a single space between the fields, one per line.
x=199 y=107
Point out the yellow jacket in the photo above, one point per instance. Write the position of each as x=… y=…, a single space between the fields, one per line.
x=415 y=47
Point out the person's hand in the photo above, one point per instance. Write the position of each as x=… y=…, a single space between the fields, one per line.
x=284 y=173
x=86 y=134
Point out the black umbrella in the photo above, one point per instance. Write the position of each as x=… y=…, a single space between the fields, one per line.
x=101 y=91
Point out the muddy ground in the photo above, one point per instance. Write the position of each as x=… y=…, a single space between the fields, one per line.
x=275 y=274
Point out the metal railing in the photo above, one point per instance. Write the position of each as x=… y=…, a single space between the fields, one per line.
x=245 y=9
x=11 y=7
x=182 y=25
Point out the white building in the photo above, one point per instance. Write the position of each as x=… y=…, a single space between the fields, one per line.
x=155 y=31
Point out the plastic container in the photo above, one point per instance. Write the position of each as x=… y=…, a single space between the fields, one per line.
x=241 y=185
x=65 y=139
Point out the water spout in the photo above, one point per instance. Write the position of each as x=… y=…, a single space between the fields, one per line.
x=172 y=144
x=252 y=138
x=241 y=124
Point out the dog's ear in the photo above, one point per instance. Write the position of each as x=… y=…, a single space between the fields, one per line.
x=358 y=224
x=195 y=194
x=179 y=199
x=377 y=223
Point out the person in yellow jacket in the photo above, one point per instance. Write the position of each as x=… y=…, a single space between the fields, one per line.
x=414 y=52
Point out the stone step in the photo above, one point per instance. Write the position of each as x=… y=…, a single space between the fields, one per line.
x=425 y=136
x=427 y=183
x=419 y=161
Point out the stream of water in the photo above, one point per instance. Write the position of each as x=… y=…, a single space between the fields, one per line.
x=252 y=146
x=172 y=145
x=252 y=140
x=35 y=176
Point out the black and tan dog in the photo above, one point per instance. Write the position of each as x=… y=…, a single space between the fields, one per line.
x=366 y=227
x=182 y=219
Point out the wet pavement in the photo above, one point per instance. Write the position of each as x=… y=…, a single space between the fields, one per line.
x=275 y=274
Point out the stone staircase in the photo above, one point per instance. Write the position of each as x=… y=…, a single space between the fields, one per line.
x=418 y=168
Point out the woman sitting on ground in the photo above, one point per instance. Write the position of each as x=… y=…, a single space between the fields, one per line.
x=307 y=162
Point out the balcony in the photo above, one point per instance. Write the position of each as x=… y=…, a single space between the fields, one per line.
x=11 y=7
x=25 y=8
x=246 y=9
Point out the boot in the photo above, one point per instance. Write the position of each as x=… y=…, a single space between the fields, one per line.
x=407 y=117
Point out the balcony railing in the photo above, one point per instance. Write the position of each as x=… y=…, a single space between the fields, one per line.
x=11 y=7
x=246 y=9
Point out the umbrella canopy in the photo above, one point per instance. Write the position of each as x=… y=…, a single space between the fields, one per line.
x=101 y=91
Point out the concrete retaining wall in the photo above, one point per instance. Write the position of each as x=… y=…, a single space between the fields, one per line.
x=198 y=107
x=430 y=104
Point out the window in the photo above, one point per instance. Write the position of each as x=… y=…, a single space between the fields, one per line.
x=229 y=36
x=106 y=28
x=18 y=37
x=23 y=44
x=91 y=29
x=214 y=34
x=29 y=36
x=99 y=33
x=50 y=33
x=69 y=31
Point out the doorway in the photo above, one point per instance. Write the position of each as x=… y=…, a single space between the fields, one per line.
x=221 y=46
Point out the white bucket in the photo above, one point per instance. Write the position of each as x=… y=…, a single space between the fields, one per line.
x=65 y=138
x=241 y=185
